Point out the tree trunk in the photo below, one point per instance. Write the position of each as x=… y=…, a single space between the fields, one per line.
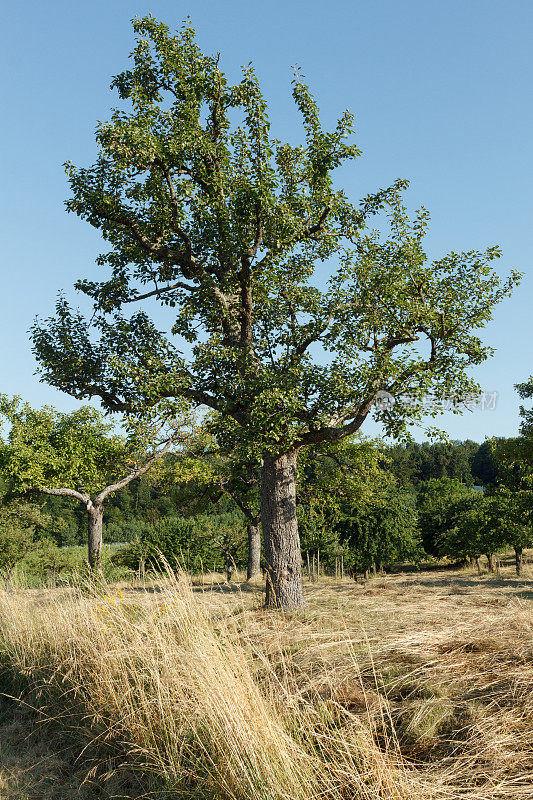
x=280 y=532
x=519 y=559
x=95 y=514
x=254 y=550
x=490 y=561
x=7 y=574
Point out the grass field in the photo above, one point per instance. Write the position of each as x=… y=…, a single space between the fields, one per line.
x=416 y=685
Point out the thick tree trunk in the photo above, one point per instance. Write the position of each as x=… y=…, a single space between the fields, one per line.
x=490 y=560
x=254 y=550
x=280 y=533
x=95 y=514
x=519 y=559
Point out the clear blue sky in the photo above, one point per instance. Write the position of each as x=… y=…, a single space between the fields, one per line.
x=442 y=96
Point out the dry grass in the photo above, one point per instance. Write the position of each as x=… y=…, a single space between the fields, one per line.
x=413 y=686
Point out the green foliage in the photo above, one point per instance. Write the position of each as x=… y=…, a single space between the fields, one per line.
x=434 y=502
x=15 y=541
x=472 y=528
x=525 y=390
x=53 y=449
x=202 y=542
x=413 y=462
x=384 y=533
x=45 y=559
x=483 y=466
x=208 y=214
x=18 y=521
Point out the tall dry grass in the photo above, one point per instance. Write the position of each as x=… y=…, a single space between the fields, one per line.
x=181 y=691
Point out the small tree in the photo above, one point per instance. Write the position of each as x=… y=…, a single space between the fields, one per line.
x=513 y=517
x=333 y=479
x=471 y=529
x=208 y=540
x=205 y=213
x=383 y=533
x=512 y=493
x=77 y=456
x=435 y=501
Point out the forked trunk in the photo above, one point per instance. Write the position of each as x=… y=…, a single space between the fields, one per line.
x=280 y=532
x=95 y=514
x=490 y=560
x=254 y=550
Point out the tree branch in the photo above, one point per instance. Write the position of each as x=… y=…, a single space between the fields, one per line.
x=81 y=496
x=114 y=487
x=161 y=290
x=335 y=433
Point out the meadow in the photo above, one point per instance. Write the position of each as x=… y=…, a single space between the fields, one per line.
x=412 y=685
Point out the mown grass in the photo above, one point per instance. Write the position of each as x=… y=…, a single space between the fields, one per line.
x=411 y=686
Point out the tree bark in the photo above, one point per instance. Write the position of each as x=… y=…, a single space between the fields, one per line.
x=490 y=561
x=281 y=541
x=254 y=550
x=95 y=514
x=519 y=559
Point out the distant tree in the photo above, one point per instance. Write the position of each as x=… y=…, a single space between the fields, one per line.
x=76 y=456
x=483 y=466
x=333 y=479
x=383 y=534
x=434 y=502
x=472 y=529
x=513 y=492
x=45 y=559
x=513 y=512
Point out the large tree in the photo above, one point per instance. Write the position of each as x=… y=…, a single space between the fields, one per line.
x=205 y=213
x=78 y=456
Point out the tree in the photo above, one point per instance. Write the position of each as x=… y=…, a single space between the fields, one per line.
x=513 y=515
x=207 y=214
x=513 y=492
x=214 y=473
x=471 y=529
x=483 y=466
x=240 y=485
x=434 y=502
x=332 y=479
x=383 y=533
x=76 y=456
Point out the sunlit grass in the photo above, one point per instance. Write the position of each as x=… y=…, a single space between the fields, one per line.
x=406 y=687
